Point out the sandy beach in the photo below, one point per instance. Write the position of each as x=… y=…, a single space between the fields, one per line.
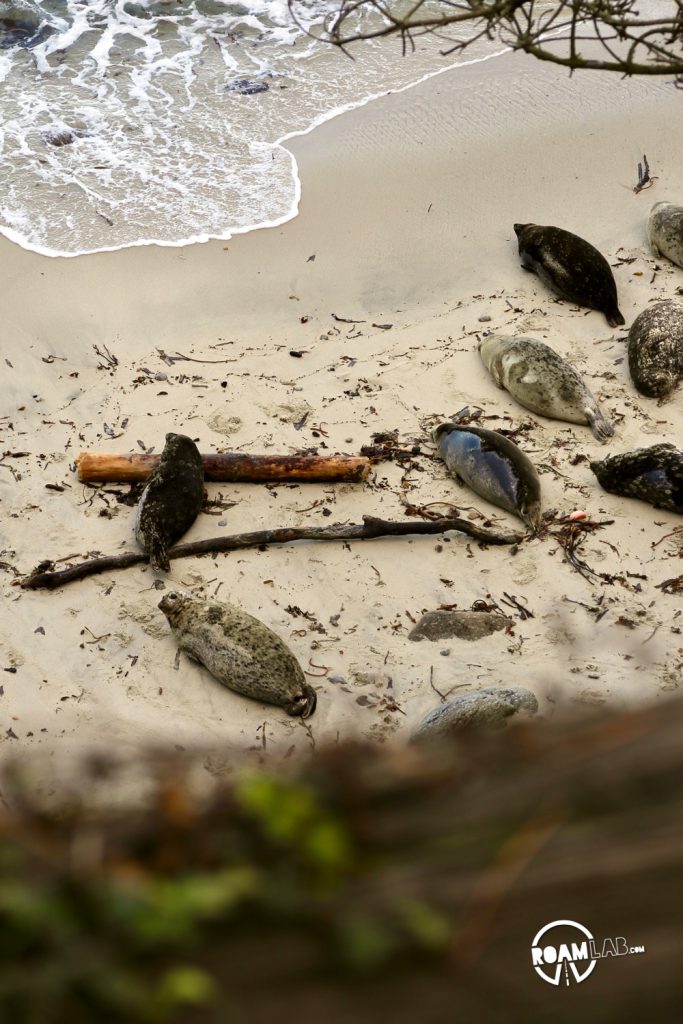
x=402 y=255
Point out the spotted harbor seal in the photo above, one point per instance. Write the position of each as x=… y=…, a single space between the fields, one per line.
x=240 y=651
x=571 y=267
x=541 y=380
x=665 y=231
x=494 y=467
x=171 y=500
x=655 y=349
x=652 y=474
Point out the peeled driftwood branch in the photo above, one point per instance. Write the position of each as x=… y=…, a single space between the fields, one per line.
x=370 y=527
x=228 y=467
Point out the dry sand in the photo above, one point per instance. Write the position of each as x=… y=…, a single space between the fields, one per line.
x=408 y=206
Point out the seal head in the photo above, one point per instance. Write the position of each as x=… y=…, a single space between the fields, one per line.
x=171 y=500
x=571 y=267
x=541 y=380
x=652 y=474
x=240 y=651
x=655 y=349
x=494 y=467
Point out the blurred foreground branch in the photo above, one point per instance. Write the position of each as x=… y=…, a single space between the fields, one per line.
x=364 y=884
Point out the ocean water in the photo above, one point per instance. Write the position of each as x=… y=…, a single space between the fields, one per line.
x=165 y=121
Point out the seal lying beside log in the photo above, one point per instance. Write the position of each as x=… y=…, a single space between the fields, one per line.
x=571 y=267
x=171 y=500
x=541 y=380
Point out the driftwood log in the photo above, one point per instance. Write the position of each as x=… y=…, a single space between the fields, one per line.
x=370 y=527
x=229 y=467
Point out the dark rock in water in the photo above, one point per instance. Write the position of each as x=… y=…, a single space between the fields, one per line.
x=466 y=625
x=494 y=467
x=652 y=474
x=246 y=87
x=60 y=136
x=171 y=500
x=481 y=709
x=22 y=32
x=655 y=349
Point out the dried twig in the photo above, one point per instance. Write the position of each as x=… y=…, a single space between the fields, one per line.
x=370 y=527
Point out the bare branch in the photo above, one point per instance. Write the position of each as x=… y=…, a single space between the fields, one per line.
x=620 y=37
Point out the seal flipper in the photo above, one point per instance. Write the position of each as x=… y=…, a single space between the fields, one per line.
x=601 y=427
x=158 y=556
x=615 y=318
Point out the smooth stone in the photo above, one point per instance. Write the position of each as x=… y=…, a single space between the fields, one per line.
x=480 y=709
x=466 y=625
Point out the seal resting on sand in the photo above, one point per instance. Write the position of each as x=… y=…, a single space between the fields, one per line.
x=652 y=474
x=655 y=349
x=240 y=651
x=665 y=231
x=494 y=467
x=171 y=500
x=541 y=380
x=571 y=267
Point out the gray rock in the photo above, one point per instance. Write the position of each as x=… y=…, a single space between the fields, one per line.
x=466 y=625
x=479 y=709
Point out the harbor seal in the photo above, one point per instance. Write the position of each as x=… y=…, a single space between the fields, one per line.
x=652 y=474
x=665 y=231
x=655 y=349
x=541 y=380
x=494 y=467
x=171 y=500
x=571 y=267
x=240 y=651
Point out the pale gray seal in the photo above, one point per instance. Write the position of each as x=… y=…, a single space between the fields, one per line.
x=494 y=467
x=665 y=231
x=541 y=380
x=571 y=267
x=171 y=500
x=240 y=651
x=652 y=474
x=655 y=349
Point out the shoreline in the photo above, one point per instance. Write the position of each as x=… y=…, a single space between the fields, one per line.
x=278 y=144
x=407 y=208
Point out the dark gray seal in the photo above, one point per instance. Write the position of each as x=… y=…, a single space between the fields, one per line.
x=541 y=380
x=652 y=474
x=494 y=467
x=571 y=267
x=171 y=500
x=240 y=651
x=665 y=231
x=655 y=349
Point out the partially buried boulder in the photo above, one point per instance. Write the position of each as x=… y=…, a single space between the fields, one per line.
x=466 y=625
x=480 y=709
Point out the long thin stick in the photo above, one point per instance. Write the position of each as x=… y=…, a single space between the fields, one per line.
x=229 y=467
x=370 y=527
